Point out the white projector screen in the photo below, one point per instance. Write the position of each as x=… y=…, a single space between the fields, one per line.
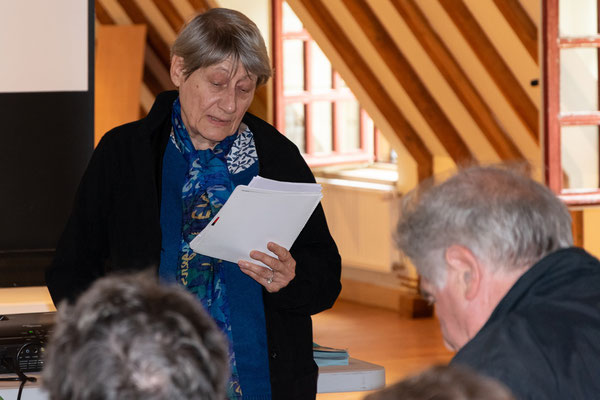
x=43 y=46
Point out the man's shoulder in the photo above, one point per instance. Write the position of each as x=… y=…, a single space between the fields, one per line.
x=535 y=349
x=509 y=352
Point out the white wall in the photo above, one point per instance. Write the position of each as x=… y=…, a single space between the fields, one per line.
x=362 y=220
x=43 y=46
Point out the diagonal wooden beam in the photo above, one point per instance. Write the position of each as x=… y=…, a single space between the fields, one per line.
x=160 y=47
x=494 y=64
x=170 y=13
x=153 y=85
x=385 y=104
x=102 y=15
x=160 y=72
x=410 y=81
x=517 y=18
x=201 y=5
x=457 y=79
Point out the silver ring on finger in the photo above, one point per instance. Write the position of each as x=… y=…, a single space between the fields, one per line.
x=270 y=279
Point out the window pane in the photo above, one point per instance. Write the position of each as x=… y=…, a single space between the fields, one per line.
x=579 y=79
x=321 y=69
x=293 y=65
x=321 y=126
x=349 y=125
x=577 y=18
x=290 y=23
x=579 y=153
x=294 y=124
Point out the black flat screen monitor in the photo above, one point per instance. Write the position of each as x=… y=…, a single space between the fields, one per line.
x=41 y=163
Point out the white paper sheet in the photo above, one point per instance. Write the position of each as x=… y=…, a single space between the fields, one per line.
x=254 y=216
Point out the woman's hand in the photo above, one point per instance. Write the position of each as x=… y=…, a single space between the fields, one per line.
x=283 y=268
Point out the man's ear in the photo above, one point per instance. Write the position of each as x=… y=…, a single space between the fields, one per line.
x=468 y=267
x=177 y=70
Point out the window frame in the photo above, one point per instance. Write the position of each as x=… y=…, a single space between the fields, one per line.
x=366 y=151
x=554 y=119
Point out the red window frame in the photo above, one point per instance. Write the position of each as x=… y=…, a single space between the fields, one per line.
x=308 y=97
x=554 y=119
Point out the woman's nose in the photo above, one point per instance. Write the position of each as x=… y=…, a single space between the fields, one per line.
x=227 y=102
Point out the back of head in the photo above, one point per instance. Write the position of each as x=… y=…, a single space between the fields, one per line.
x=128 y=338
x=505 y=218
x=219 y=34
x=445 y=383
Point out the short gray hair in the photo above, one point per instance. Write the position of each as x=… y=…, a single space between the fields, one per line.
x=505 y=218
x=129 y=338
x=445 y=382
x=218 y=34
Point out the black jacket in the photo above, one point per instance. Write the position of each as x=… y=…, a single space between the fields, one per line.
x=543 y=338
x=115 y=226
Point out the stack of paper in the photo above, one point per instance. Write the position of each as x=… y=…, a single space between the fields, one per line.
x=264 y=211
x=329 y=356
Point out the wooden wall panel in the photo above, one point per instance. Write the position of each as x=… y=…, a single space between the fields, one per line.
x=118 y=75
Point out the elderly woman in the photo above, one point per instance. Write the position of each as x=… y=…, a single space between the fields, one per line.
x=153 y=184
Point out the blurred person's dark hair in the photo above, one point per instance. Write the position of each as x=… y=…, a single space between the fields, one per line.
x=128 y=337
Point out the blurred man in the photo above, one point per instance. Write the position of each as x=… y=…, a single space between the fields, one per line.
x=444 y=382
x=514 y=299
x=127 y=338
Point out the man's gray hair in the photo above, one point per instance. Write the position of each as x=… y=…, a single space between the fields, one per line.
x=218 y=34
x=445 y=382
x=128 y=338
x=505 y=218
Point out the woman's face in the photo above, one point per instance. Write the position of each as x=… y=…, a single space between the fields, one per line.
x=213 y=100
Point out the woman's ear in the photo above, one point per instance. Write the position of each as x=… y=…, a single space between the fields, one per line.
x=177 y=70
x=467 y=266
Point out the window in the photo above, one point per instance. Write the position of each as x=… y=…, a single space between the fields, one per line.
x=571 y=93
x=313 y=105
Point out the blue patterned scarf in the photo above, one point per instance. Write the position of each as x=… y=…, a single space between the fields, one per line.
x=207 y=187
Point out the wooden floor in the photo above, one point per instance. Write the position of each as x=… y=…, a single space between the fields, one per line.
x=403 y=346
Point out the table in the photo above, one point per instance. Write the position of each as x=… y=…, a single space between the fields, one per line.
x=358 y=375
x=23 y=300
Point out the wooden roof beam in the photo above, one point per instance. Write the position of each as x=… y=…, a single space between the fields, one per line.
x=170 y=13
x=202 y=5
x=457 y=79
x=159 y=73
x=158 y=44
x=385 y=104
x=410 y=81
x=517 y=18
x=102 y=15
x=494 y=64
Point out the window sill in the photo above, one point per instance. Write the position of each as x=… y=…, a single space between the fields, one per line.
x=378 y=176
